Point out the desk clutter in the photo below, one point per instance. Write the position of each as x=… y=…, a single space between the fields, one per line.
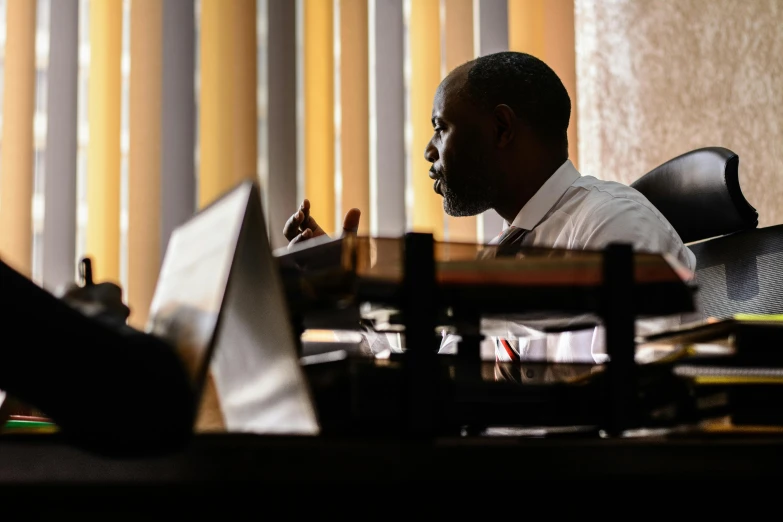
x=713 y=377
x=733 y=369
x=704 y=377
x=239 y=315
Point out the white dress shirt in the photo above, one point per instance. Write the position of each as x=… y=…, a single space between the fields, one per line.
x=581 y=212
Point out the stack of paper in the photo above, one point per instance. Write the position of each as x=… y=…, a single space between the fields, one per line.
x=734 y=365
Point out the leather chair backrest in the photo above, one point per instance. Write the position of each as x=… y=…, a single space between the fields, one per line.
x=741 y=273
x=699 y=193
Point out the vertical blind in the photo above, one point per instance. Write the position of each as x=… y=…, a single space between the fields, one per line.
x=121 y=118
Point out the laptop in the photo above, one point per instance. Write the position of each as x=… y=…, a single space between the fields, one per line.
x=219 y=301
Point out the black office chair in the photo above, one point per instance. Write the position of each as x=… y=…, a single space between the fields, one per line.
x=739 y=267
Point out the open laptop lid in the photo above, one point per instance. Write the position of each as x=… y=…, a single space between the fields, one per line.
x=219 y=301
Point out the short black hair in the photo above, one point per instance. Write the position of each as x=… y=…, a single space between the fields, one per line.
x=527 y=85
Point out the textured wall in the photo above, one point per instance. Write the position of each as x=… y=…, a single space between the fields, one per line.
x=659 y=78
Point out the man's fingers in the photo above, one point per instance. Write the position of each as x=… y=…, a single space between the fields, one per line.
x=301 y=221
x=315 y=228
x=351 y=221
x=309 y=221
x=291 y=227
x=307 y=234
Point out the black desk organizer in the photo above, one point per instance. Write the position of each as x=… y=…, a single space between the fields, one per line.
x=744 y=384
x=420 y=393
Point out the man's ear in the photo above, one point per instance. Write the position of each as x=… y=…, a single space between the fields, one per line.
x=505 y=125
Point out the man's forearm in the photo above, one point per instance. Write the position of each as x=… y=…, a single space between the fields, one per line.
x=95 y=383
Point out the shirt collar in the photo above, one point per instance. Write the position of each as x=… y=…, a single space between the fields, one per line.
x=546 y=197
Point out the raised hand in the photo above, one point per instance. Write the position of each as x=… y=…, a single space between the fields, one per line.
x=301 y=226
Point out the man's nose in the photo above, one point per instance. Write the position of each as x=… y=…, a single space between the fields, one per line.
x=431 y=153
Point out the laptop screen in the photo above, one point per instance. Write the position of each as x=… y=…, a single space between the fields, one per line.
x=219 y=300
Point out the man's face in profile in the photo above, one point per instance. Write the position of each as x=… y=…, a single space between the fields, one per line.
x=461 y=150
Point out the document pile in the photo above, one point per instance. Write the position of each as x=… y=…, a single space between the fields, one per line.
x=734 y=368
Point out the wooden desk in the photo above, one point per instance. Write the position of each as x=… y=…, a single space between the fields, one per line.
x=218 y=474
x=214 y=460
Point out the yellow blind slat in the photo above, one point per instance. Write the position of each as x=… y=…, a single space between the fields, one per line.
x=428 y=213
x=144 y=186
x=103 y=176
x=245 y=88
x=228 y=106
x=458 y=50
x=355 y=117
x=16 y=177
x=526 y=27
x=545 y=29
x=319 y=111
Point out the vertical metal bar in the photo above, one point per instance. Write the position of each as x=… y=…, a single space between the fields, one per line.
x=469 y=349
x=421 y=343
x=618 y=314
x=59 y=263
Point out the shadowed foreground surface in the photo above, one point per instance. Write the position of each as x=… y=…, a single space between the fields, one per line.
x=219 y=463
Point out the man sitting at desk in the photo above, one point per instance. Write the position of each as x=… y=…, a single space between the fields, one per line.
x=500 y=142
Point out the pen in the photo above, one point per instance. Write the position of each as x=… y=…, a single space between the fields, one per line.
x=85 y=271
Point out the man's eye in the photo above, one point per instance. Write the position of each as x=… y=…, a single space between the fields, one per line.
x=438 y=129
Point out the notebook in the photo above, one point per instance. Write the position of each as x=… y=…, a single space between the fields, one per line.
x=219 y=300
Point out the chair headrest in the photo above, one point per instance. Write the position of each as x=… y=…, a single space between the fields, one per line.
x=699 y=193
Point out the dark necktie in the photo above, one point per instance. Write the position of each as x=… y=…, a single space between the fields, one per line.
x=510 y=240
x=511 y=236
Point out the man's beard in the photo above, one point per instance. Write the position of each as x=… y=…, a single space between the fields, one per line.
x=469 y=196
